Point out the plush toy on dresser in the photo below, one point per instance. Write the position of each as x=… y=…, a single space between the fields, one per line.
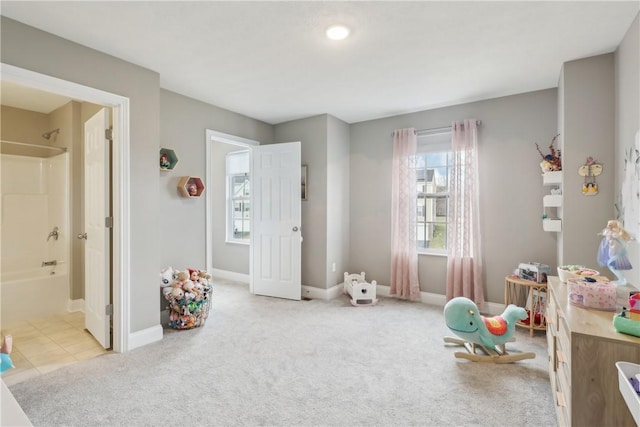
x=628 y=321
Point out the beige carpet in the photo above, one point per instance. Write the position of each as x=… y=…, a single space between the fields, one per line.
x=266 y=361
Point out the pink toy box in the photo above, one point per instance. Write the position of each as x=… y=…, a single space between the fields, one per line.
x=597 y=294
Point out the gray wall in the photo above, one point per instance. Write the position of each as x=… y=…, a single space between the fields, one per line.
x=587 y=130
x=30 y=48
x=627 y=76
x=337 y=200
x=183 y=123
x=510 y=184
x=312 y=134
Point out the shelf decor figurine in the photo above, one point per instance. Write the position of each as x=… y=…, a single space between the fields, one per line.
x=553 y=160
x=612 y=252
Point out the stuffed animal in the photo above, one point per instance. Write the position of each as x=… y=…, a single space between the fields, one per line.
x=203 y=277
x=166 y=276
x=177 y=293
x=180 y=278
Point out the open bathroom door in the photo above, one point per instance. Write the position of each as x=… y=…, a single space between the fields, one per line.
x=97 y=272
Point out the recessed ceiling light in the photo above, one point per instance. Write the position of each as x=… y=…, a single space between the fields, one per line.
x=338 y=32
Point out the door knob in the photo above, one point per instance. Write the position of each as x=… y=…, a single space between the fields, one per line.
x=82 y=236
x=295 y=228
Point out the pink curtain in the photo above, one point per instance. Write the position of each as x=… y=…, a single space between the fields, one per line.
x=404 y=255
x=464 y=263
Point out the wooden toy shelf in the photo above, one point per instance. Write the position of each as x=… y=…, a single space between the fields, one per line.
x=532 y=295
x=190 y=186
x=168 y=159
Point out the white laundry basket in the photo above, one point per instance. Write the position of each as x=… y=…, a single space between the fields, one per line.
x=628 y=370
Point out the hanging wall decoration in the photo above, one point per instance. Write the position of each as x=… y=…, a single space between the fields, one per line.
x=590 y=170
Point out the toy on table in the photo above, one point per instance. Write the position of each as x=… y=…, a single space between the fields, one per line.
x=5 y=354
x=628 y=321
x=553 y=161
x=612 y=252
x=463 y=318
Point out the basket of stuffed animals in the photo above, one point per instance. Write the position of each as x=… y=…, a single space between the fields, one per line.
x=188 y=293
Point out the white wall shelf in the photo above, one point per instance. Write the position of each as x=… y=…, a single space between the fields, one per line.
x=552 y=201
x=552 y=224
x=552 y=178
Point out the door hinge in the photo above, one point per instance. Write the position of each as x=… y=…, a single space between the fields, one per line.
x=108 y=310
x=108 y=134
x=108 y=222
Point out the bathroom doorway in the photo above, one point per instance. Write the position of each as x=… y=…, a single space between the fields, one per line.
x=119 y=180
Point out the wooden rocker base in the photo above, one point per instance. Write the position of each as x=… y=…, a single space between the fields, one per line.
x=494 y=355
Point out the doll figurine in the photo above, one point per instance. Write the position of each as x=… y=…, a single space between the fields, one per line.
x=164 y=161
x=612 y=252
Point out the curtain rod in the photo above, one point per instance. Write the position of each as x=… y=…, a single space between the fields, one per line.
x=478 y=122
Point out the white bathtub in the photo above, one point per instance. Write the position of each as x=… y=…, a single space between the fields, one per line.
x=33 y=294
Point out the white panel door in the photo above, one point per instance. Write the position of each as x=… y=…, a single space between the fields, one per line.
x=275 y=234
x=96 y=209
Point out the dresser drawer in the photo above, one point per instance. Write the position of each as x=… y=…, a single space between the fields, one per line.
x=551 y=315
x=582 y=357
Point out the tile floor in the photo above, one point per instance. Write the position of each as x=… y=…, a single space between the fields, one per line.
x=44 y=345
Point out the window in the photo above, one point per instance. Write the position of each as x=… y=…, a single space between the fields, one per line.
x=238 y=197
x=433 y=163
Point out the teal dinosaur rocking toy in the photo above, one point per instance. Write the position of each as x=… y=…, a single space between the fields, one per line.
x=490 y=334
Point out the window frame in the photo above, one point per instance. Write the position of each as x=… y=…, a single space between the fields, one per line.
x=230 y=201
x=431 y=142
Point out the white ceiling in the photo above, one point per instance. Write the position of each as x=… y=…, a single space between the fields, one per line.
x=271 y=60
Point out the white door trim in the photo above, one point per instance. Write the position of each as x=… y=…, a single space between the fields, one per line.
x=212 y=137
x=120 y=185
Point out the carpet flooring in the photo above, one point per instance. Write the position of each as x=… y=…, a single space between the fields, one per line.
x=268 y=361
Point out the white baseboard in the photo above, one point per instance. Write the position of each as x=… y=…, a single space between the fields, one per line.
x=144 y=337
x=490 y=308
x=75 y=305
x=323 y=294
x=230 y=275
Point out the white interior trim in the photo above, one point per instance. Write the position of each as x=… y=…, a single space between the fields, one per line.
x=120 y=185
x=145 y=336
x=212 y=136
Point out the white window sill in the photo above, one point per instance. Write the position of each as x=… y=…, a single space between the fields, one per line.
x=439 y=254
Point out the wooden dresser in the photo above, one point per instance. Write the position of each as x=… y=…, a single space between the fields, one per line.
x=583 y=348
